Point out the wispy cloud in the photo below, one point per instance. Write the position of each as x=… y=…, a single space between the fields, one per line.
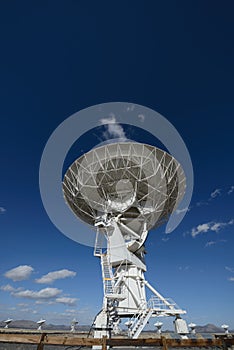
x=210 y=243
x=209 y=226
x=50 y=277
x=165 y=239
x=231 y=279
x=2 y=210
x=71 y=311
x=201 y=203
x=43 y=294
x=28 y=310
x=231 y=190
x=113 y=128
x=184 y=268
x=8 y=288
x=230 y=269
x=215 y=193
x=19 y=273
x=66 y=301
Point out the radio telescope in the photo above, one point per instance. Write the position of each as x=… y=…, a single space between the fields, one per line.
x=123 y=190
x=7 y=322
x=73 y=325
x=40 y=323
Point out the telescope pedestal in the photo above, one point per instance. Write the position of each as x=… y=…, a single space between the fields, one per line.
x=124 y=288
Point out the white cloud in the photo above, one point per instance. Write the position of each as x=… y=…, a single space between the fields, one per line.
x=43 y=294
x=71 y=311
x=55 y=275
x=2 y=210
x=26 y=310
x=66 y=300
x=210 y=226
x=20 y=273
x=22 y=304
x=215 y=193
x=200 y=229
x=217 y=226
x=113 y=129
x=184 y=268
x=201 y=203
x=210 y=243
x=7 y=288
x=45 y=301
x=231 y=279
x=230 y=269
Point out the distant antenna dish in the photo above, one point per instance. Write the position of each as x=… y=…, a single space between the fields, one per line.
x=73 y=325
x=159 y=325
x=125 y=189
x=40 y=323
x=192 y=327
x=7 y=322
x=128 y=323
x=225 y=327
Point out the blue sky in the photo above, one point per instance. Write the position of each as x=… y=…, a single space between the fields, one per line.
x=59 y=57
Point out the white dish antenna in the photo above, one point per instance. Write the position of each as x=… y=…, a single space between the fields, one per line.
x=139 y=183
x=7 y=322
x=225 y=327
x=158 y=326
x=40 y=323
x=123 y=190
x=192 y=326
x=74 y=323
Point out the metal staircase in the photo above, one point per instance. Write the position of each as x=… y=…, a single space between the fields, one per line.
x=111 y=284
x=107 y=275
x=138 y=322
x=155 y=306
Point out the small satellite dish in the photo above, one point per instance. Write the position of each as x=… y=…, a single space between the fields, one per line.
x=7 y=322
x=225 y=327
x=40 y=323
x=192 y=326
x=159 y=325
x=73 y=325
x=128 y=323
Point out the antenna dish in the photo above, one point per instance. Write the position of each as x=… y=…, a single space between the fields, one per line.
x=159 y=325
x=7 y=322
x=138 y=183
x=123 y=190
x=73 y=325
x=192 y=327
x=225 y=327
x=40 y=323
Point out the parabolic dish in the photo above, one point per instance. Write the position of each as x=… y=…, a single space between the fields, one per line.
x=138 y=183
